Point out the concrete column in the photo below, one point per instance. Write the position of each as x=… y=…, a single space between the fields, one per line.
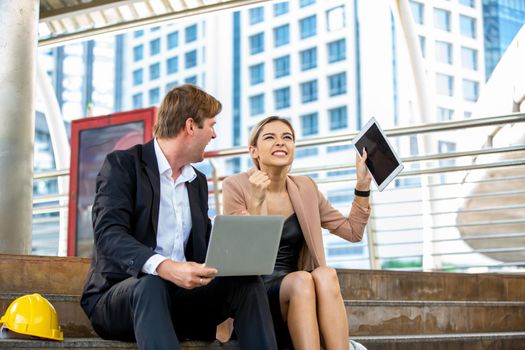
x=18 y=51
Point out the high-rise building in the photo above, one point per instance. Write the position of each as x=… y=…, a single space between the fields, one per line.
x=502 y=19
x=326 y=65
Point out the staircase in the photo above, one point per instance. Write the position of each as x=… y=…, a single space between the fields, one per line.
x=415 y=310
x=386 y=309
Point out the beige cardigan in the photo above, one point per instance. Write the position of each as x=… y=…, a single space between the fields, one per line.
x=313 y=212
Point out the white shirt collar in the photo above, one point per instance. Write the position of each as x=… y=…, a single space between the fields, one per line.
x=187 y=173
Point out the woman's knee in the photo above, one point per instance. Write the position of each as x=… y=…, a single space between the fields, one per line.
x=325 y=278
x=301 y=284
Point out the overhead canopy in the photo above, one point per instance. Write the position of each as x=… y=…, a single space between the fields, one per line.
x=66 y=20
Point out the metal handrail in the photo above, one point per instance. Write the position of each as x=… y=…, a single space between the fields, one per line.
x=375 y=234
x=401 y=131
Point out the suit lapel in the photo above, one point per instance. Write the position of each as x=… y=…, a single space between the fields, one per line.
x=302 y=215
x=152 y=171
x=196 y=247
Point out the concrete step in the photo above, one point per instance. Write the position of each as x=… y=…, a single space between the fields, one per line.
x=401 y=317
x=42 y=274
x=470 y=341
x=99 y=344
x=410 y=285
x=366 y=317
x=378 y=303
x=73 y=320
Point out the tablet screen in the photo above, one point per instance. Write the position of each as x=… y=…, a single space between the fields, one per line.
x=381 y=160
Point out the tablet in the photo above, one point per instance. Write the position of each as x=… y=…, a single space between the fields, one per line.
x=243 y=245
x=382 y=162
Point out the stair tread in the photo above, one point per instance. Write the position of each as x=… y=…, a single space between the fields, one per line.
x=97 y=342
x=441 y=337
x=352 y=302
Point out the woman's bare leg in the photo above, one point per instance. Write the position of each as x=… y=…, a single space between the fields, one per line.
x=333 y=323
x=298 y=308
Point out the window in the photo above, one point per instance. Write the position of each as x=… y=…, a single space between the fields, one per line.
x=469 y=3
x=257 y=74
x=338 y=118
x=280 y=9
x=337 y=84
x=469 y=58
x=339 y=148
x=347 y=250
x=304 y=3
x=444 y=114
x=470 y=90
x=309 y=91
x=281 y=66
x=467 y=26
x=443 y=52
x=171 y=85
x=306 y=152
x=442 y=19
x=154 y=47
x=191 y=80
x=310 y=124
x=172 y=65
x=337 y=51
x=257 y=104
x=138 y=53
x=138 y=33
x=256 y=43
x=339 y=173
x=137 y=101
x=423 y=45
x=418 y=12
x=173 y=40
x=445 y=148
x=335 y=18
x=308 y=27
x=256 y=15
x=282 y=98
x=190 y=33
x=155 y=29
x=154 y=71
x=190 y=59
x=138 y=76
x=444 y=84
x=154 y=96
x=281 y=35
x=308 y=58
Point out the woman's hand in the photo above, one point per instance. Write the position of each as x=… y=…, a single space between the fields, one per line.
x=363 y=176
x=259 y=182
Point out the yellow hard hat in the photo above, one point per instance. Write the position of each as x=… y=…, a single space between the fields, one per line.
x=33 y=315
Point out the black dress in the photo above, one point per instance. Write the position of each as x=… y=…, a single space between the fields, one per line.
x=292 y=241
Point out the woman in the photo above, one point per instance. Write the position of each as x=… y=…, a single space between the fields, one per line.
x=304 y=293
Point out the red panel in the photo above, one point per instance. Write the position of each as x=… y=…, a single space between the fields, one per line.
x=146 y=116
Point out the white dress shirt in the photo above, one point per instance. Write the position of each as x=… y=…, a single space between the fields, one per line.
x=174 y=223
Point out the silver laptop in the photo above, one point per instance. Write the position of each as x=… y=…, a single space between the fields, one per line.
x=244 y=245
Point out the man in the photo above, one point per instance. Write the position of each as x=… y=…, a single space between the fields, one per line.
x=150 y=217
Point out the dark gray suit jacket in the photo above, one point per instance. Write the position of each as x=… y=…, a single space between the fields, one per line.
x=125 y=218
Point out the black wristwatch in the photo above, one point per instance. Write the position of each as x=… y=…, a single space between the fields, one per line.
x=362 y=193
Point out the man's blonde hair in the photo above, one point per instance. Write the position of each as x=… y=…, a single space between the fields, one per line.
x=179 y=104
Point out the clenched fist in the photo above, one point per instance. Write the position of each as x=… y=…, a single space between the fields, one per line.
x=259 y=182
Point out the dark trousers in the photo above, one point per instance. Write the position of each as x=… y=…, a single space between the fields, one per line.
x=157 y=314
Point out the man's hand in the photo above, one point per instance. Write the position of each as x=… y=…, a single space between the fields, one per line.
x=259 y=182
x=187 y=275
